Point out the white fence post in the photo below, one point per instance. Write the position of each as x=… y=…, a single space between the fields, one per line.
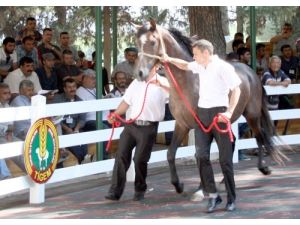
x=235 y=130
x=131 y=172
x=37 y=191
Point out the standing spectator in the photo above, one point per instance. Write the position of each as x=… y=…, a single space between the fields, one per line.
x=28 y=49
x=48 y=47
x=72 y=123
x=6 y=128
x=46 y=73
x=64 y=40
x=67 y=69
x=26 y=90
x=237 y=36
x=244 y=55
x=8 y=57
x=284 y=38
x=141 y=134
x=262 y=60
x=25 y=72
x=274 y=76
x=105 y=82
x=289 y=62
x=127 y=66
x=29 y=30
x=216 y=79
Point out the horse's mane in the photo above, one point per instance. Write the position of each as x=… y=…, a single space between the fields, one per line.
x=183 y=41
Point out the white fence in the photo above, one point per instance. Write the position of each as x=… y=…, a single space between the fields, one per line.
x=39 y=110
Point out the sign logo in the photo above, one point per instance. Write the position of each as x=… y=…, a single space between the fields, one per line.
x=41 y=151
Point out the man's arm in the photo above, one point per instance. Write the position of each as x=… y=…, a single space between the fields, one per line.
x=233 y=101
x=121 y=110
x=180 y=63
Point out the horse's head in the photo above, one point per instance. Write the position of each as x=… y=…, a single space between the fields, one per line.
x=149 y=43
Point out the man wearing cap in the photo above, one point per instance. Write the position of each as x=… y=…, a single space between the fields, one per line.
x=127 y=66
x=25 y=72
x=46 y=73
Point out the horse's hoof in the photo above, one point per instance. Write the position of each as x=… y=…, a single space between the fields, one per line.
x=198 y=196
x=179 y=187
x=265 y=170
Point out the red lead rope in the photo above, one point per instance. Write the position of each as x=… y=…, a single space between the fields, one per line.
x=187 y=104
x=189 y=107
x=117 y=124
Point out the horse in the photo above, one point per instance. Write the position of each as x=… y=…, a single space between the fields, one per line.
x=153 y=41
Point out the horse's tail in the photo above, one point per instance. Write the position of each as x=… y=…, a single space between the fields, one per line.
x=267 y=141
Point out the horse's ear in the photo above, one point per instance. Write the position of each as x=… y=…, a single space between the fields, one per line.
x=153 y=24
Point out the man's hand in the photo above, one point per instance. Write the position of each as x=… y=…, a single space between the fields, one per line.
x=224 y=117
x=111 y=118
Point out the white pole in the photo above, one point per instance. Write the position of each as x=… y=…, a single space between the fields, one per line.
x=235 y=130
x=38 y=107
x=131 y=172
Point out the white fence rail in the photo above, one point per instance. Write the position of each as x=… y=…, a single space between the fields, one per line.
x=40 y=109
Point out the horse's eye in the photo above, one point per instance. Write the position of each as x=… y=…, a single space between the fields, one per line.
x=152 y=43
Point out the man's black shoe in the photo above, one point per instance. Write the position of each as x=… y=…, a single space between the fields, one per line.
x=112 y=197
x=230 y=206
x=212 y=203
x=138 y=196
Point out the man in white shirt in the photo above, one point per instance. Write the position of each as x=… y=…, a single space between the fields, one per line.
x=216 y=79
x=25 y=72
x=141 y=134
x=8 y=57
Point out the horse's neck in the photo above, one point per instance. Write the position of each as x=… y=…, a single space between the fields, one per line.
x=174 y=50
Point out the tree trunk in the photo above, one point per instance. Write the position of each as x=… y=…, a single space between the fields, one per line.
x=239 y=19
x=225 y=20
x=107 y=39
x=206 y=22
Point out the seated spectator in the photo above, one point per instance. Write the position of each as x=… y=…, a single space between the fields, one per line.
x=64 y=40
x=274 y=76
x=244 y=55
x=47 y=47
x=237 y=36
x=67 y=70
x=8 y=57
x=4 y=171
x=83 y=64
x=46 y=73
x=262 y=60
x=72 y=123
x=120 y=85
x=29 y=30
x=28 y=49
x=232 y=57
x=25 y=72
x=127 y=66
x=6 y=133
x=88 y=92
x=26 y=90
x=289 y=62
x=105 y=82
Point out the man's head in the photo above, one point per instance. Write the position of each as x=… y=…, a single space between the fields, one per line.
x=48 y=60
x=286 y=51
x=244 y=55
x=275 y=63
x=120 y=79
x=239 y=36
x=131 y=54
x=236 y=44
x=260 y=50
x=287 y=28
x=68 y=57
x=28 y=43
x=4 y=93
x=31 y=23
x=26 y=65
x=64 y=38
x=202 y=51
x=47 y=35
x=70 y=88
x=9 y=45
x=89 y=79
x=26 y=88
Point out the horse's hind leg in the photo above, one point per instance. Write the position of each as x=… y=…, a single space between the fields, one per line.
x=262 y=143
x=178 y=135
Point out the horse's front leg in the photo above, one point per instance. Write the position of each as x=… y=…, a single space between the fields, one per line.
x=178 y=135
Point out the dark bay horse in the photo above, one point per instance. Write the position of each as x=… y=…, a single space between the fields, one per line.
x=154 y=40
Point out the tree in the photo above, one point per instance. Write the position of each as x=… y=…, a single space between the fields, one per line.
x=206 y=23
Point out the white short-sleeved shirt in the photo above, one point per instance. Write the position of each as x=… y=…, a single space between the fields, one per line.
x=15 y=77
x=13 y=59
x=87 y=94
x=154 y=109
x=215 y=82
